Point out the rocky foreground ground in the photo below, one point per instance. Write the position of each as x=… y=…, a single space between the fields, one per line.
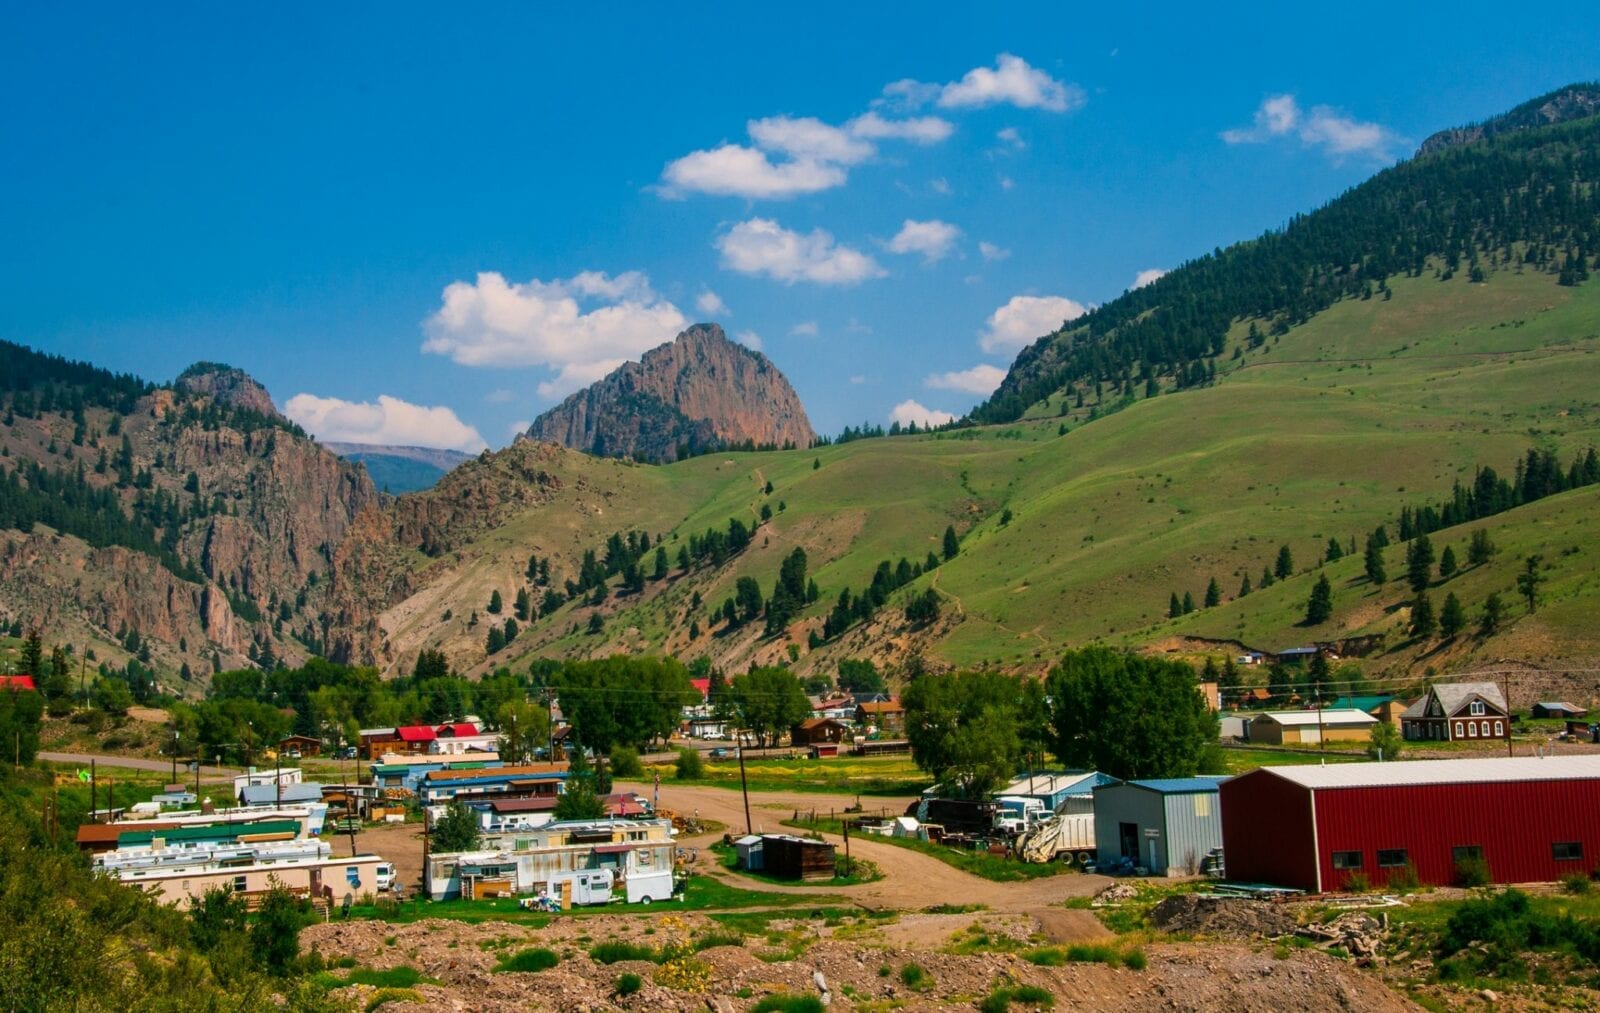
x=855 y=963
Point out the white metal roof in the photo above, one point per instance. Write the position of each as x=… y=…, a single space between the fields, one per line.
x=1471 y=771
x=1343 y=716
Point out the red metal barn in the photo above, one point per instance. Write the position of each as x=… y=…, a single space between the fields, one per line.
x=1530 y=819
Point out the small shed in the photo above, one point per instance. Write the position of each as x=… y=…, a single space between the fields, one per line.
x=748 y=848
x=824 y=750
x=305 y=745
x=788 y=857
x=1557 y=709
x=1167 y=825
x=1305 y=727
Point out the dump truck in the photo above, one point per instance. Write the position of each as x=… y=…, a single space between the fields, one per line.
x=1067 y=837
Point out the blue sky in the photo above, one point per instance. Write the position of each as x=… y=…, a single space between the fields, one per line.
x=425 y=226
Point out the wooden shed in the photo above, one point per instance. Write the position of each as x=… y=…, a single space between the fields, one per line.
x=788 y=857
x=812 y=731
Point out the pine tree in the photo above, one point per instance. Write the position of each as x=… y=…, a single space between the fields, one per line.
x=1374 y=561
x=1493 y=615
x=520 y=609
x=496 y=603
x=1419 y=562
x=1423 y=620
x=1481 y=549
x=951 y=544
x=1285 y=565
x=1452 y=618
x=1319 y=607
x=1213 y=594
x=1447 y=563
x=496 y=640
x=1174 y=607
x=1188 y=603
x=1266 y=578
x=662 y=564
x=597 y=623
x=1529 y=581
x=1334 y=552
x=1244 y=586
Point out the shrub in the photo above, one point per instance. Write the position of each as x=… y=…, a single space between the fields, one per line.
x=1022 y=995
x=1135 y=959
x=529 y=961
x=625 y=762
x=1575 y=883
x=1404 y=878
x=711 y=939
x=1472 y=870
x=913 y=976
x=684 y=974
x=386 y=995
x=788 y=1004
x=1357 y=882
x=611 y=952
x=394 y=977
x=689 y=766
x=1084 y=953
x=628 y=984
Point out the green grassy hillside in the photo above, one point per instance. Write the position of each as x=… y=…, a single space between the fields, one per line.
x=1325 y=431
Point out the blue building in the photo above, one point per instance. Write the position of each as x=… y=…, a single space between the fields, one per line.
x=1166 y=825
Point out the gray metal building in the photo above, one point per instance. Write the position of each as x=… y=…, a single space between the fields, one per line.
x=1166 y=825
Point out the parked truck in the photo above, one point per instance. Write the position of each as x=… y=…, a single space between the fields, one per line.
x=957 y=816
x=1018 y=814
x=1067 y=837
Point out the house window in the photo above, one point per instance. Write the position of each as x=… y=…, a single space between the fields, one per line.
x=1567 y=851
x=352 y=875
x=1466 y=853
x=1459 y=732
x=1476 y=709
x=1344 y=860
x=1392 y=858
x=240 y=884
x=1472 y=729
x=1202 y=805
x=1499 y=730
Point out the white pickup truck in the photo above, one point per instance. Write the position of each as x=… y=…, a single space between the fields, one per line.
x=1018 y=814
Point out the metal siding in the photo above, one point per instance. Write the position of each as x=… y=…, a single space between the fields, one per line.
x=1267 y=831
x=1188 y=837
x=1515 y=822
x=1123 y=803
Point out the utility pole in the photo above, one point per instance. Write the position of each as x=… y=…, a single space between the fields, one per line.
x=94 y=791
x=744 y=786
x=174 y=755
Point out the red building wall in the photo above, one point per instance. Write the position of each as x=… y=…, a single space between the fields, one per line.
x=1267 y=831
x=1514 y=822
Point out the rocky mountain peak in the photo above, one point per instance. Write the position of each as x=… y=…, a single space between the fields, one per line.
x=1574 y=102
x=694 y=393
x=228 y=385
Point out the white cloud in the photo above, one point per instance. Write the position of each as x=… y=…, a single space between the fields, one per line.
x=711 y=304
x=1025 y=318
x=1324 y=127
x=1011 y=81
x=1011 y=138
x=858 y=379
x=749 y=339
x=736 y=171
x=518 y=427
x=804 y=329
x=991 y=251
x=1006 y=182
x=932 y=239
x=940 y=186
x=908 y=93
x=815 y=156
x=498 y=396
x=762 y=246
x=1147 y=276
x=922 y=130
x=391 y=422
x=581 y=327
x=909 y=411
x=980 y=379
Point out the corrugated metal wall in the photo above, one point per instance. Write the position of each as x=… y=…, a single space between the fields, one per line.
x=1185 y=829
x=1194 y=827
x=1515 y=823
x=1267 y=832
x=1117 y=804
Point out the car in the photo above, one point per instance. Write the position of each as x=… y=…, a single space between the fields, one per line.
x=720 y=753
x=385 y=874
x=348 y=753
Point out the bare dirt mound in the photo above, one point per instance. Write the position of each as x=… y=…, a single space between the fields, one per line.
x=1222 y=916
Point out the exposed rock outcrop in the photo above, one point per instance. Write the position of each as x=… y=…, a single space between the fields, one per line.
x=228 y=385
x=695 y=393
x=1574 y=102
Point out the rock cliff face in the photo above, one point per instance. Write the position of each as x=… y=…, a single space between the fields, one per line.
x=1575 y=101
x=228 y=386
x=698 y=392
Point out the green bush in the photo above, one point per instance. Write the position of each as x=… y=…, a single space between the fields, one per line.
x=628 y=984
x=394 y=977
x=689 y=766
x=1135 y=959
x=625 y=762
x=1085 y=953
x=386 y=995
x=1404 y=878
x=1357 y=882
x=612 y=952
x=711 y=939
x=536 y=959
x=1576 y=883
x=913 y=976
x=1473 y=870
x=1022 y=995
x=788 y=1004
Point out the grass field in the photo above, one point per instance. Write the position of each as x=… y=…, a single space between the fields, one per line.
x=1324 y=432
x=870 y=775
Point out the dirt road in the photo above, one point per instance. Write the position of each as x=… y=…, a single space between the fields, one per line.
x=910 y=880
x=135 y=763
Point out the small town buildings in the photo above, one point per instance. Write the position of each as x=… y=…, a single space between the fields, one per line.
x=1529 y=819
x=1283 y=728
x=306 y=867
x=785 y=856
x=280 y=775
x=638 y=853
x=1385 y=708
x=748 y=851
x=299 y=793
x=816 y=731
x=706 y=728
x=1069 y=791
x=18 y=683
x=1212 y=694
x=1557 y=709
x=1457 y=711
x=887 y=715
x=304 y=745
x=1166 y=825
x=528 y=780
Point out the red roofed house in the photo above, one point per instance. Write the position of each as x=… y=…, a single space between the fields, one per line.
x=18 y=682
x=703 y=686
x=414 y=738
